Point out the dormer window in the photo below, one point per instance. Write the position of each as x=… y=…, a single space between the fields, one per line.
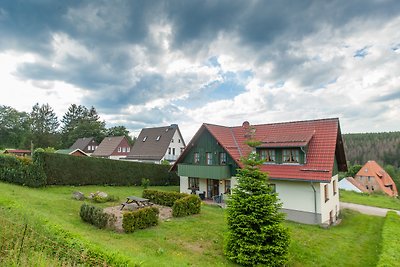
x=291 y=156
x=268 y=155
x=158 y=138
x=144 y=138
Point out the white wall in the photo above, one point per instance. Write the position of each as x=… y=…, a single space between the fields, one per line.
x=175 y=144
x=184 y=184
x=297 y=195
x=333 y=203
x=346 y=185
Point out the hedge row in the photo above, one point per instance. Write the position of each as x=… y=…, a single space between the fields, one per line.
x=63 y=169
x=186 y=206
x=163 y=198
x=21 y=170
x=390 y=241
x=140 y=219
x=96 y=216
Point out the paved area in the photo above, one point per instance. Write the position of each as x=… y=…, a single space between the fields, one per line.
x=365 y=209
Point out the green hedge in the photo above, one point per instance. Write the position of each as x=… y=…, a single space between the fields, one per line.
x=96 y=216
x=21 y=170
x=63 y=169
x=186 y=206
x=390 y=255
x=140 y=219
x=163 y=198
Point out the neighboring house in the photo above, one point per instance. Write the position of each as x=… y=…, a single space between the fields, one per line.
x=74 y=152
x=350 y=184
x=18 y=152
x=86 y=144
x=302 y=159
x=114 y=147
x=376 y=179
x=158 y=144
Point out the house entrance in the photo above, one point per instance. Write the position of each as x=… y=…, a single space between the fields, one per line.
x=212 y=188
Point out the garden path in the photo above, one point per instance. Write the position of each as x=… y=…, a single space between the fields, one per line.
x=369 y=210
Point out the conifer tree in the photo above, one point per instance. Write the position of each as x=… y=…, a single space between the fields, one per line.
x=255 y=231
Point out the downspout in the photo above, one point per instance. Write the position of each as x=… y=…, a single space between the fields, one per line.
x=315 y=203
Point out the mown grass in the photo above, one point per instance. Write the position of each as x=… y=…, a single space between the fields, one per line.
x=195 y=240
x=375 y=200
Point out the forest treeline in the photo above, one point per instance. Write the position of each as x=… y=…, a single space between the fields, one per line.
x=40 y=128
x=384 y=148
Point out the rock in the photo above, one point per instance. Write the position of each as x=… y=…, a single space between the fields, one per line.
x=102 y=194
x=78 y=195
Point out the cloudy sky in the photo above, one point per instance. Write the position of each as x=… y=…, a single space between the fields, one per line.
x=153 y=63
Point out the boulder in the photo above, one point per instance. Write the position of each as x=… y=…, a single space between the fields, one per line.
x=78 y=195
x=102 y=194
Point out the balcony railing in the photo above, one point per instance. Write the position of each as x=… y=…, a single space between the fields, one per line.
x=205 y=171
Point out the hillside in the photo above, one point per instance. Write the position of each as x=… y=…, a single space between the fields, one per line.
x=381 y=147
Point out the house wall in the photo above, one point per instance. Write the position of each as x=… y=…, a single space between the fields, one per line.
x=298 y=200
x=370 y=183
x=332 y=205
x=123 y=144
x=346 y=185
x=176 y=143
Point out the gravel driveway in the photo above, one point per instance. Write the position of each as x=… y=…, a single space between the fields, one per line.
x=366 y=209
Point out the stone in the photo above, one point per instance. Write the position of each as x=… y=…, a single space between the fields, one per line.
x=78 y=195
x=102 y=194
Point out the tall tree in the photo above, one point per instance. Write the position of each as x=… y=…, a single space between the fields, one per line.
x=80 y=122
x=120 y=131
x=256 y=235
x=43 y=126
x=14 y=128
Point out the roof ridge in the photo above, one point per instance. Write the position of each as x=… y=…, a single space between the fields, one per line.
x=274 y=123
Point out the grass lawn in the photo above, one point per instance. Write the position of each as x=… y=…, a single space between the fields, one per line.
x=376 y=200
x=196 y=240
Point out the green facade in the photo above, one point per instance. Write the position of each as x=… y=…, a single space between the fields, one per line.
x=206 y=143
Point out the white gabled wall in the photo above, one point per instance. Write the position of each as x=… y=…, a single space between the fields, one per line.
x=175 y=144
x=333 y=203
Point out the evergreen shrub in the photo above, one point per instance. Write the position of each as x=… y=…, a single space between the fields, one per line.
x=63 y=169
x=96 y=216
x=185 y=206
x=21 y=170
x=163 y=198
x=140 y=219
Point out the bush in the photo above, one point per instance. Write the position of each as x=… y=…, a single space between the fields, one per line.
x=145 y=183
x=96 y=216
x=63 y=169
x=21 y=170
x=186 y=206
x=140 y=219
x=163 y=198
x=109 y=198
x=390 y=241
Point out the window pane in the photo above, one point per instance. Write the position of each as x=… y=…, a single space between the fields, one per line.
x=209 y=158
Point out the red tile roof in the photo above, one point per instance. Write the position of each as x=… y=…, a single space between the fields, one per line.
x=322 y=136
x=371 y=168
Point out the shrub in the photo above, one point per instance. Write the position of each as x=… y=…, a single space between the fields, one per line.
x=96 y=216
x=63 y=169
x=390 y=241
x=21 y=170
x=145 y=183
x=163 y=198
x=140 y=219
x=109 y=198
x=186 y=206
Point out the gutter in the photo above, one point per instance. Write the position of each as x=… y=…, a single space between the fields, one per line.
x=315 y=202
x=305 y=154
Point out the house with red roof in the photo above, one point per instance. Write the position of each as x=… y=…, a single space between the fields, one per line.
x=375 y=179
x=302 y=160
x=113 y=147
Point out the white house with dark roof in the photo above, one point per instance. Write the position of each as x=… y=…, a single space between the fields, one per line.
x=158 y=144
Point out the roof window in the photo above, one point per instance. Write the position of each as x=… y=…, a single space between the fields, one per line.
x=158 y=138
x=144 y=138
